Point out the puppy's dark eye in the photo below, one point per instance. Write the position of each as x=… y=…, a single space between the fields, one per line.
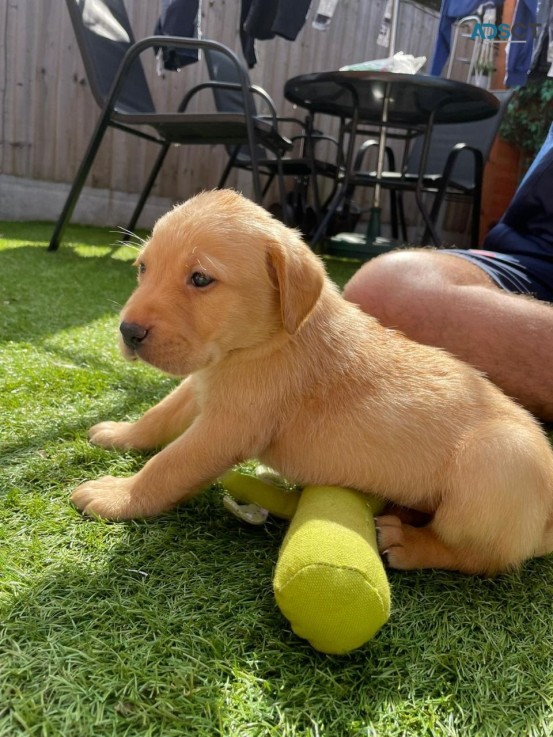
x=141 y=267
x=199 y=279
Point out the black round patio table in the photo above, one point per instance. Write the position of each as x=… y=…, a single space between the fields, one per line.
x=412 y=98
x=386 y=100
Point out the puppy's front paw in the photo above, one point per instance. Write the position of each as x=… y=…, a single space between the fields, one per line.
x=392 y=541
x=112 y=435
x=108 y=497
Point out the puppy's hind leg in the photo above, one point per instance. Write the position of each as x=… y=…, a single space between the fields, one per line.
x=546 y=547
x=494 y=509
x=406 y=547
x=157 y=427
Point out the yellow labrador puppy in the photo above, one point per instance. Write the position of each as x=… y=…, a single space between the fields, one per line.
x=281 y=368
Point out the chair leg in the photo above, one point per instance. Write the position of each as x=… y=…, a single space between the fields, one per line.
x=393 y=214
x=256 y=176
x=228 y=167
x=78 y=182
x=308 y=151
x=268 y=183
x=401 y=213
x=147 y=189
x=476 y=212
x=282 y=191
x=477 y=202
x=430 y=232
x=333 y=207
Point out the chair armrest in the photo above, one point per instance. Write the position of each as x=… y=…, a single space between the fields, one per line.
x=215 y=84
x=184 y=43
x=211 y=85
x=285 y=143
x=316 y=137
x=366 y=146
x=287 y=119
x=267 y=99
x=313 y=136
x=454 y=154
x=307 y=136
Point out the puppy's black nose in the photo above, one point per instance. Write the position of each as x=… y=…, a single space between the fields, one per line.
x=133 y=334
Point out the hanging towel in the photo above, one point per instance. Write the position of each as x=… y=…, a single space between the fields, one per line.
x=542 y=52
x=452 y=10
x=519 y=55
x=178 y=18
x=265 y=19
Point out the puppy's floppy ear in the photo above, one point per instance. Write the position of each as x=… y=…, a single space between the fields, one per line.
x=299 y=276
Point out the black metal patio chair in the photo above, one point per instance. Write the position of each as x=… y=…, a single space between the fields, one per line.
x=118 y=84
x=303 y=165
x=454 y=169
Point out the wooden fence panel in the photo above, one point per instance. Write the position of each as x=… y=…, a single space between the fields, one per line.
x=48 y=112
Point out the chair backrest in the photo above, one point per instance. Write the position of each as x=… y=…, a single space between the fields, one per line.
x=222 y=69
x=104 y=35
x=480 y=134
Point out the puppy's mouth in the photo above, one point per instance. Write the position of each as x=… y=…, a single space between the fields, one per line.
x=128 y=354
x=136 y=343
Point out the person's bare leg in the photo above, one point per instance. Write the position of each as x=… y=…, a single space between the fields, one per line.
x=442 y=300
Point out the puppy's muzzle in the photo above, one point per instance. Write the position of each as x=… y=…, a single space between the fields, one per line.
x=133 y=334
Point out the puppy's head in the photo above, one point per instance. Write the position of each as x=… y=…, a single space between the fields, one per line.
x=218 y=275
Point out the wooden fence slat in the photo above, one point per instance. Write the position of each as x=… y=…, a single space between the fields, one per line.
x=48 y=112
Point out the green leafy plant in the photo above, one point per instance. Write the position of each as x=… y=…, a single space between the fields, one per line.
x=529 y=116
x=484 y=67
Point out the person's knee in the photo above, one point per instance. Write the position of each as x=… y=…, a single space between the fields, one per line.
x=402 y=287
x=385 y=285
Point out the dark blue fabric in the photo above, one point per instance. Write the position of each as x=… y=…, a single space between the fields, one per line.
x=517 y=253
x=520 y=273
x=265 y=19
x=452 y=10
x=527 y=225
x=519 y=56
x=178 y=18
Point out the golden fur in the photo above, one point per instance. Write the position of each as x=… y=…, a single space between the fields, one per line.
x=281 y=368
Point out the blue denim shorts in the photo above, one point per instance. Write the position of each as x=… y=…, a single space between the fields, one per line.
x=518 y=273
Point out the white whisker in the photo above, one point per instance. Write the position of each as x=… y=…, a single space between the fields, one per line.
x=139 y=242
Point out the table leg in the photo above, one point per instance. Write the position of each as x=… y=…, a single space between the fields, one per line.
x=343 y=188
x=430 y=227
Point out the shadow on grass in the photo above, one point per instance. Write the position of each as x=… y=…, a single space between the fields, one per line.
x=177 y=626
x=42 y=293
x=43 y=297
x=95 y=389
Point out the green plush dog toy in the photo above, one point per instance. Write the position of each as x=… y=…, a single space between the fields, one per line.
x=329 y=580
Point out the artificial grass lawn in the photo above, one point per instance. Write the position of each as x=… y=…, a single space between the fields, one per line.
x=169 y=627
